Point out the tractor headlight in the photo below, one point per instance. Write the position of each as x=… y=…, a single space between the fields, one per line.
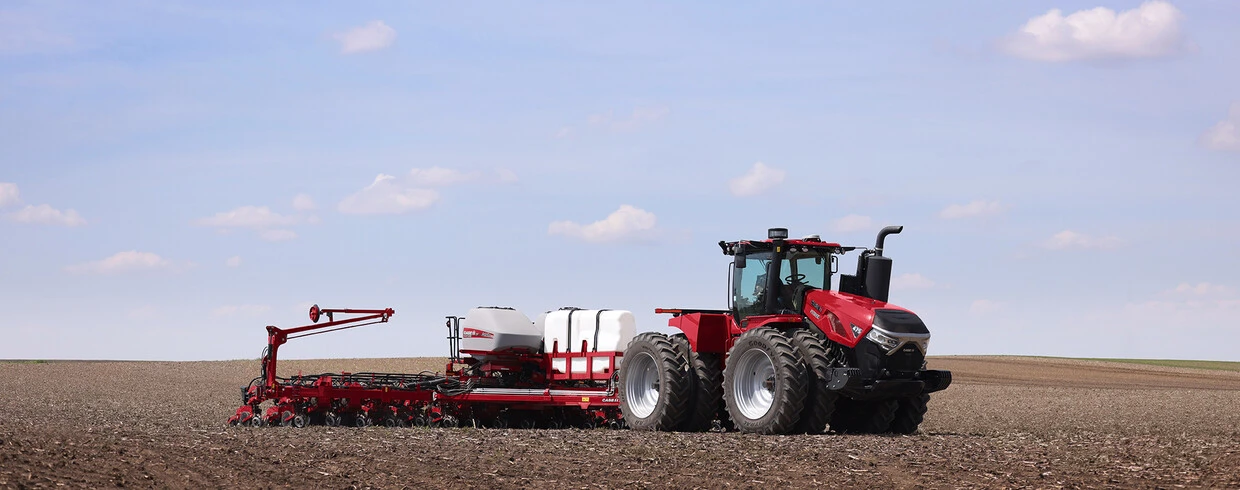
x=886 y=342
x=890 y=341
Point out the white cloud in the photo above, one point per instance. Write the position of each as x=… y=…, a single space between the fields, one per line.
x=1224 y=136
x=1200 y=311
x=239 y=310
x=278 y=235
x=440 y=177
x=1069 y=239
x=1202 y=289
x=975 y=209
x=852 y=222
x=386 y=196
x=375 y=35
x=506 y=175
x=564 y=132
x=1149 y=31
x=303 y=202
x=267 y=224
x=234 y=261
x=41 y=214
x=759 y=179
x=46 y=215
x=625 y=224
x=9 y=195
x=255 y=217
x=389 y=194
x=911 y=281
x=985 y=307
x=132 y=260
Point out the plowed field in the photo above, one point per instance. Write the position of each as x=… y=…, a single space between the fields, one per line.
x=1005 y=422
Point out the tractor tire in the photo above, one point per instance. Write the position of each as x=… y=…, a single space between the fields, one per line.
x=863 y=417
x=764 y=383
x=909 y=415
x=707 y=390
x=819 y=402
x=654 y=383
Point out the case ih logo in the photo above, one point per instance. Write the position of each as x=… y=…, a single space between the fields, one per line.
x=473 y=333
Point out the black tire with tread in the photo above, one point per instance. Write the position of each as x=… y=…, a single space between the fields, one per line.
x=819 y=402
x=909 y=415
x=675 y=383
x=863 y=417
x=707 y=387
x=790 y=381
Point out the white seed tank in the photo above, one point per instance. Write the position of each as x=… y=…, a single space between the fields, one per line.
x=491 y=329
x=572 y=330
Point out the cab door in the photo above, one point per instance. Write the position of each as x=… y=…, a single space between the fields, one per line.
x=749 y=286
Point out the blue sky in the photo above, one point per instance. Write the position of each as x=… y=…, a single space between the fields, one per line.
x=174 y=176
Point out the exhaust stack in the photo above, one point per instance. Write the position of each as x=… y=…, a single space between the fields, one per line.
x=878 y=268
x=882 y=236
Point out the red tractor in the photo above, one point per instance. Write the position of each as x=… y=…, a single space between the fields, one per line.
x=790 y=354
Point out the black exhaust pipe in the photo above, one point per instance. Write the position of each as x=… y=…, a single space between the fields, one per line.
x=882 y=236
x=878 y=268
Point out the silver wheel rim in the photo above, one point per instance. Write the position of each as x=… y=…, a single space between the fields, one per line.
x=754 y=384
x=641 y=385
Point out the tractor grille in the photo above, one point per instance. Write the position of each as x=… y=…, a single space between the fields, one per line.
x=872 y=360
x=907 y=359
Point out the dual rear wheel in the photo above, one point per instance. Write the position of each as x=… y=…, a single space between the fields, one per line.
x=775 y=382
x=765 y=383
x=654 y=383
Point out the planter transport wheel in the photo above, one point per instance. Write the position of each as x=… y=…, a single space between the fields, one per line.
x=654 y=383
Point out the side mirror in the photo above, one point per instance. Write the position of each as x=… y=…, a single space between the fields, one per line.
x=739 y=261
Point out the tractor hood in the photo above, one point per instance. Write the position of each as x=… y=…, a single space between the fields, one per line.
x=847 y=318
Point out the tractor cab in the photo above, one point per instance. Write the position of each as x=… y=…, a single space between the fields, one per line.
x=770 y=277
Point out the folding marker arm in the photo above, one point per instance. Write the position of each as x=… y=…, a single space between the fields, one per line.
x=278 y=336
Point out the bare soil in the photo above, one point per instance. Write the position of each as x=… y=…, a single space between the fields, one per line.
x=1005 y=422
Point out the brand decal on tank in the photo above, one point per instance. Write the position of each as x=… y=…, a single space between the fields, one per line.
x=473 y=333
